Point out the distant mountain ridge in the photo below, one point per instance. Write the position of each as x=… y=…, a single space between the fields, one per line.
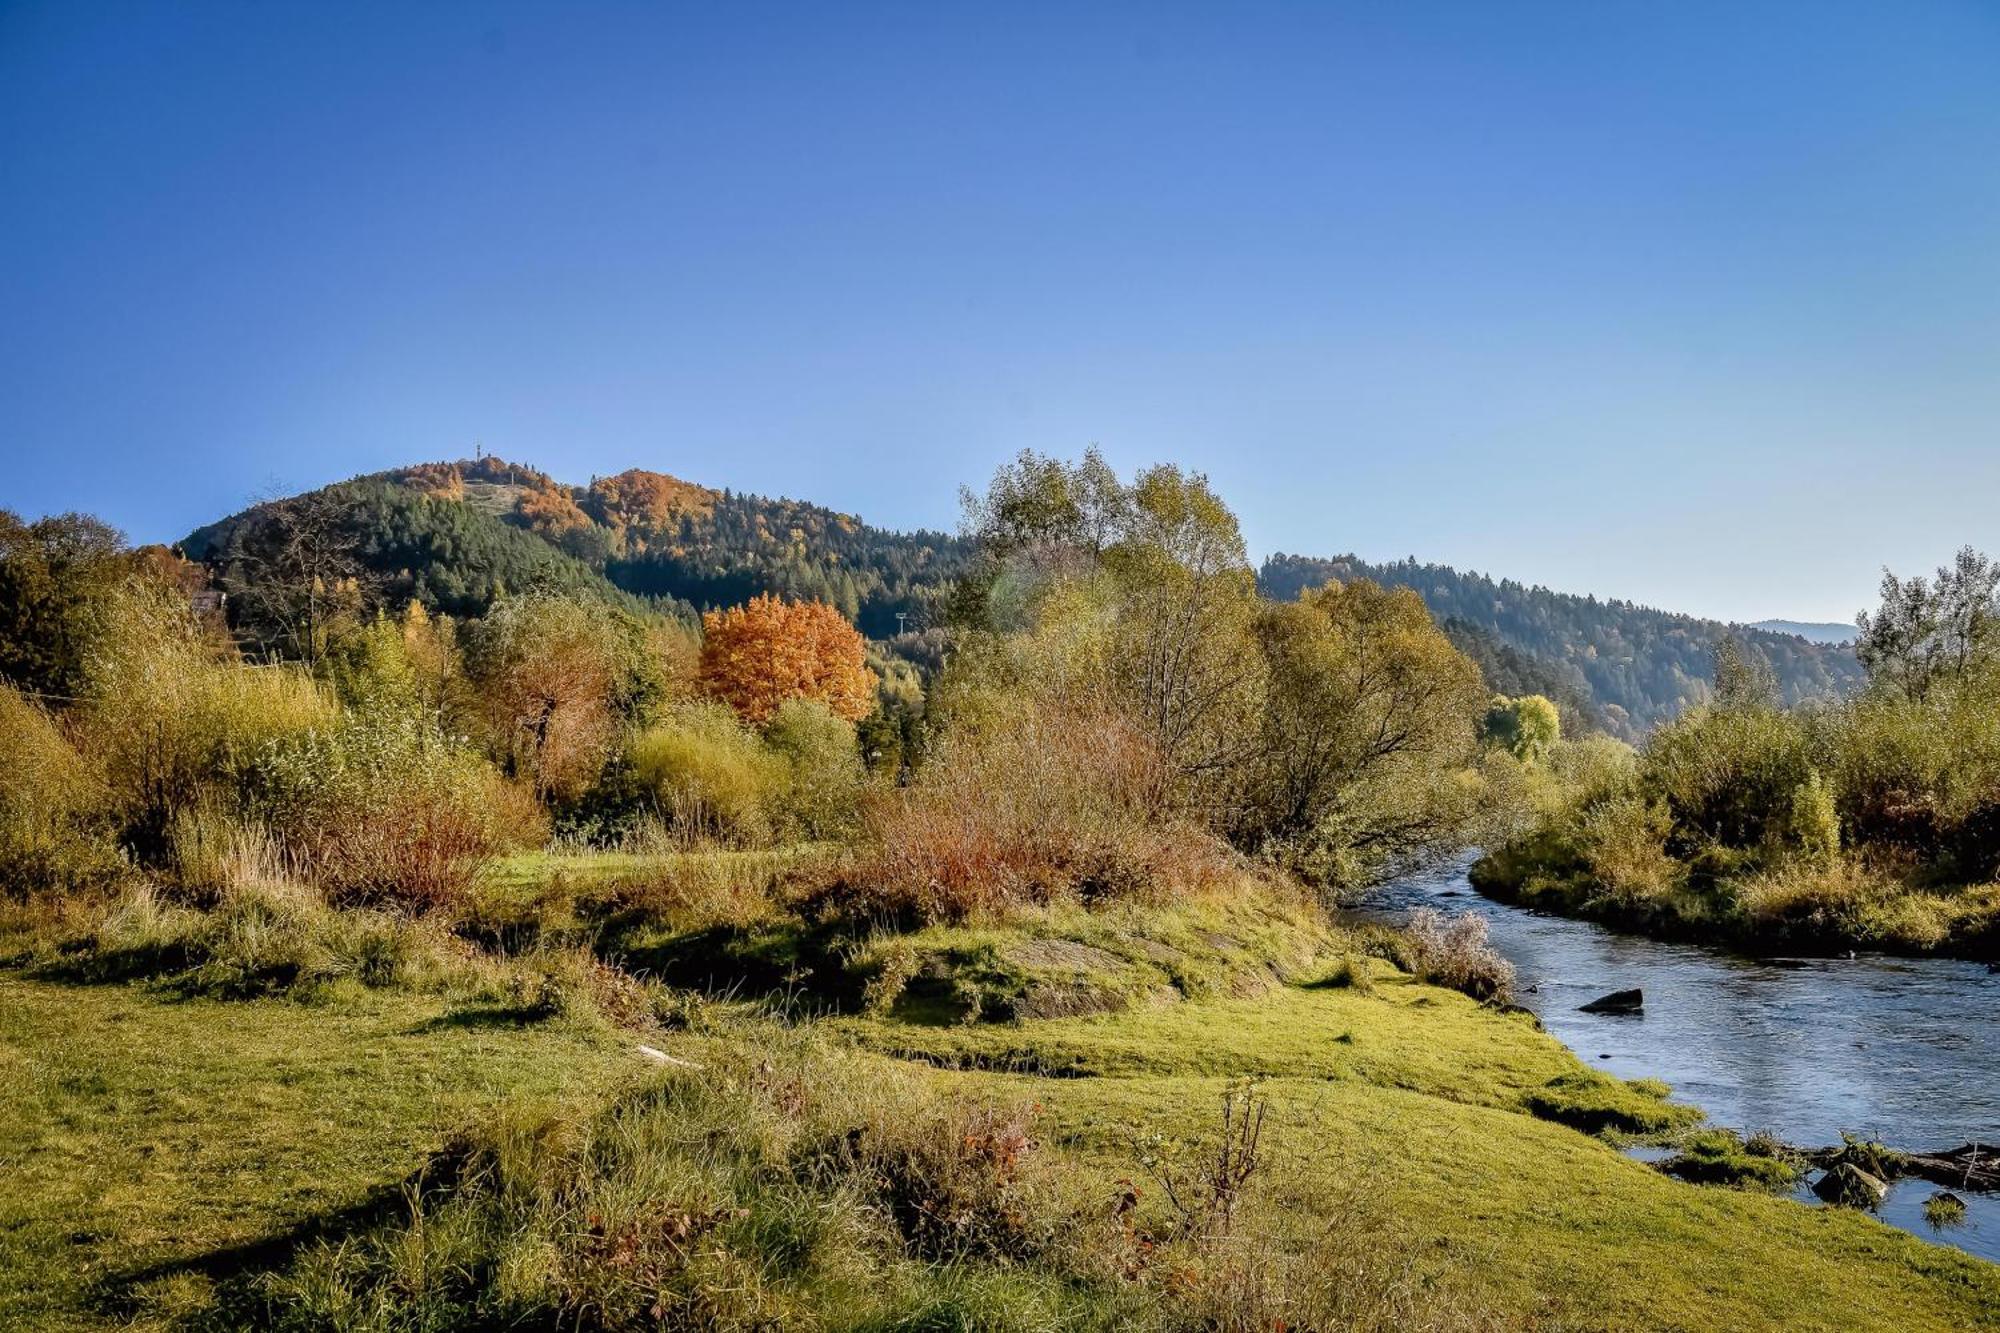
x=1636 y=666
x=1813 y=631
x=458 y=535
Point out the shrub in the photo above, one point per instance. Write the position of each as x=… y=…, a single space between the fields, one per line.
x=173 y=721
x=1886 y=760
x=1728 y=774
x=1815 y=823
x=1588 y=771
x=1453 y=952
x=825 y=777
x=385 y=807
x=411 y=664
x=710 y=776
x=1034 y=808
x=53 y=832
x=555 y=676
x=1205 y=1183
x=1802 y=901
x=1624 y=843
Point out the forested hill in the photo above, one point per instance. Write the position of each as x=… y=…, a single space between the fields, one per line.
x=1637 y=665
x=456 y=535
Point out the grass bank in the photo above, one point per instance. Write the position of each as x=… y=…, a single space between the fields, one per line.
x=401 y=1156
x=1803 y=907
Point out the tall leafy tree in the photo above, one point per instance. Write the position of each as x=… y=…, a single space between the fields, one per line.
x=55 y=574
x=556 y=679
x=1368 y=709
x=1527 y=727
x=759 y=656
x=1932 y=632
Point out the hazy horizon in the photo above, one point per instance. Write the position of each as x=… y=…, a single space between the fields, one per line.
x=1690 y=308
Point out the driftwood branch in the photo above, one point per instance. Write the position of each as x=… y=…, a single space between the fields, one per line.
x=1970 y=1166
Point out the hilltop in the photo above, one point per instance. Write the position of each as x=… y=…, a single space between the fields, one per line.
x=455 y=535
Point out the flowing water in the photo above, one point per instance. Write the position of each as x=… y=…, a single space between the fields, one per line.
x=1905 y=1051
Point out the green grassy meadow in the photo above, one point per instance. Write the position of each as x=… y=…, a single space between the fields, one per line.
x=163 y=1150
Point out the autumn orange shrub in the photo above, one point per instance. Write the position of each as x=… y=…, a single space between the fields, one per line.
x=1046 y=806
x=758 y=657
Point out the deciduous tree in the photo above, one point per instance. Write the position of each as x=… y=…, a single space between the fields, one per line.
x=1527 y=727
x=757 y=656
x=1927 y=633
x=556 y=677
x=55 y=574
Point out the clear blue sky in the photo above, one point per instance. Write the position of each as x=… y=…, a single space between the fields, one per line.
x=1697 y=304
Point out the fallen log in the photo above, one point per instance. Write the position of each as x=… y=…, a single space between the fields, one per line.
x=1970 y=1166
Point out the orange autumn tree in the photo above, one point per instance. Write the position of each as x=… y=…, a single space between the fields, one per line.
x=757 y=657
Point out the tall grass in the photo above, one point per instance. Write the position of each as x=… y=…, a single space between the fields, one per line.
x=271 y=937
x=1038 y=808
x=780 y=1189
x=796 y=1186
x=383 y=807
x=54 y=833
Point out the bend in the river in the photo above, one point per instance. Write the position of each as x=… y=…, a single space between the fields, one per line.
x=1900 y=1050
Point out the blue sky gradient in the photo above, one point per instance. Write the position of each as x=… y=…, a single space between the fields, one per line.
x=1693 y=304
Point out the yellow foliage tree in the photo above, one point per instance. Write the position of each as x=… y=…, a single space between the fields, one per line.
x=757 y=657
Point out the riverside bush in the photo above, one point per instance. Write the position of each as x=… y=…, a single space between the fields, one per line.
x=1452 y=951
x=1624 y=843
x=171 y=721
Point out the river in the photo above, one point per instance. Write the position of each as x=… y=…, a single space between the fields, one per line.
x=1906 y=1051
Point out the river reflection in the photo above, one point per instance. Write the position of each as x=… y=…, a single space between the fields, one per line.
x=1906 y=1051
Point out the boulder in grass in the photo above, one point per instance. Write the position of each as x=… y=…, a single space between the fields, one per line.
x=1848 y=1185
x=1617 y=1002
